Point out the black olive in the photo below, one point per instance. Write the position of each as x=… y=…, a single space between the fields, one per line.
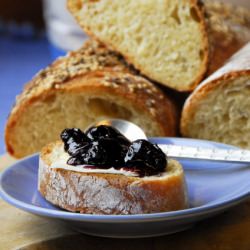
x=91 y=154
x=115 y=151
x=103 y=131
x=105 y=152
x=106 y=147
x=73 y=139
x=148 y=158
x=74 y=161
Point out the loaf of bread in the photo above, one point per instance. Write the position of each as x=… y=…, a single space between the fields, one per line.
x=100 y=193
x=79 y=89
x=219 y=109
x=173 y=42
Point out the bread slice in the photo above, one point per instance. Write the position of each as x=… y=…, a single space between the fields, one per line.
x=219 y=109
x=79 y=89
x=169 y=41
x=165 y=40
x=100 y=193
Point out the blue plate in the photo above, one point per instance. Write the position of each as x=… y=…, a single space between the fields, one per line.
x=212 y=188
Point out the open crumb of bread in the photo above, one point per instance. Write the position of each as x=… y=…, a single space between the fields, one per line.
x=98 y=193
x=79 y=89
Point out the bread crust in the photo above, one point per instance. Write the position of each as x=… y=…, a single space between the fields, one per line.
x=96 y=72
x=237 y=66
x=192 y=103
x=224 y=29
x=97 y=193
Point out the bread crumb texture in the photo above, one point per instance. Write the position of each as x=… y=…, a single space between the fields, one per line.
x=228 y=29
x=223 y=113
x=164 y=39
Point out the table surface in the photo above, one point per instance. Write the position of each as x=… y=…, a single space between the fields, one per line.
x=20 y=59
x=21 y=230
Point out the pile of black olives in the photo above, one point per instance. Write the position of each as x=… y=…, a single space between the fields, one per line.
x=104 y=147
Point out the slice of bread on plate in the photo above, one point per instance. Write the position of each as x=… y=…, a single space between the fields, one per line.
x=172 y=42
x=100 y=193
x=79 y=89
x=219 y=109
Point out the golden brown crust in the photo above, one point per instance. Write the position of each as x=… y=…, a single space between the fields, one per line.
x=91 y=57
x=228 y=28
x=193 y=102
x=98 y=193
x=83 y=71
x=218 y=83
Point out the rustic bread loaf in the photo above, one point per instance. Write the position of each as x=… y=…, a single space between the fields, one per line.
x=100 y=193
x=79 y=89
x=219 y=109
x=172 y=42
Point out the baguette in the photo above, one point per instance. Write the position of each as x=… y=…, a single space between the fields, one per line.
x=99 y=193
x=79 y=89
x=219 y=108
x=172 y=42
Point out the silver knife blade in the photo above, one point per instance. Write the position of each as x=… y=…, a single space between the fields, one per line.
x=200 y=153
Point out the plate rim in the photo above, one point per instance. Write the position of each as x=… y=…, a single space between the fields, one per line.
x=152 y=217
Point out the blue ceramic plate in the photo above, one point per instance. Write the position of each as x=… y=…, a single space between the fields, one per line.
x=212 y=188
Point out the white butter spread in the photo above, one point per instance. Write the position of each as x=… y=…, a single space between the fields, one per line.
x=61 y=163
x=60 y=158
x=83 y=169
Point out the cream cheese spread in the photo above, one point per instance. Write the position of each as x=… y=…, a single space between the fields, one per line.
x=61 y=159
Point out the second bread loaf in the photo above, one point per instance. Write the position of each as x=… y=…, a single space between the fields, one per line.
x=219 y=109
x=79 y=89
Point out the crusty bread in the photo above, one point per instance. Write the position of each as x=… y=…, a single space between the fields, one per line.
x=169 y=41
x=79 y=89
x=219 y=109
x=228 y=28
x=99 y=193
